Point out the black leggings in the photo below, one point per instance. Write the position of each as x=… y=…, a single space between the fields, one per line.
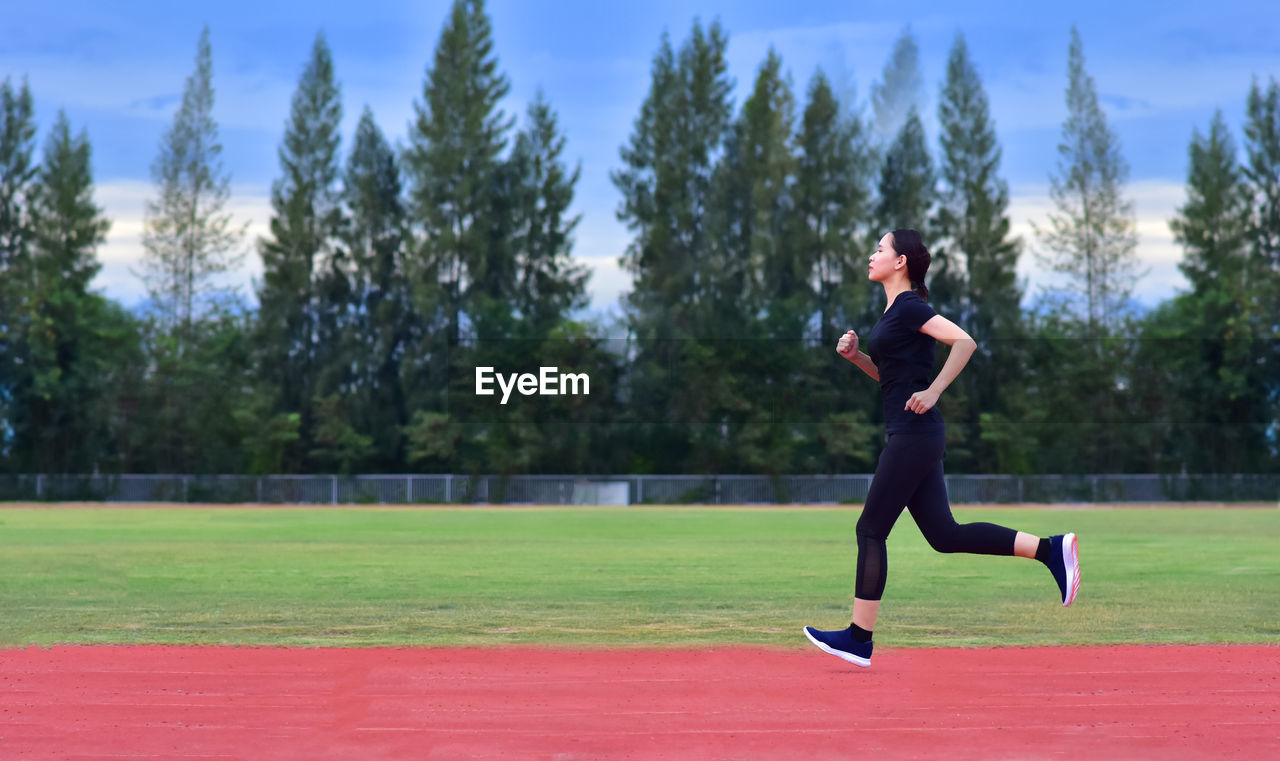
x=909 y=475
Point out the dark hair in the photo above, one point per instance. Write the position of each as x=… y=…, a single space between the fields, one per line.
x=908 y=243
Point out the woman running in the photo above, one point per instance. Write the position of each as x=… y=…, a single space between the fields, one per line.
x=909 y=473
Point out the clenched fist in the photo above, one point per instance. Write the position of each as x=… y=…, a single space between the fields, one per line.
x=848 y=346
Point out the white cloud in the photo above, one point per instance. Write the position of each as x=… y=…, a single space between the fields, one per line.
x=1155 y=203
x=599 y=234
x=609 y=281
x=124 y=202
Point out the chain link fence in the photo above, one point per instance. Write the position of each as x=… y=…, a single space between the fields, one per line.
x=623 y=489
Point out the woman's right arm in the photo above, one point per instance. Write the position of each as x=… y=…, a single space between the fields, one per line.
x=848 y=348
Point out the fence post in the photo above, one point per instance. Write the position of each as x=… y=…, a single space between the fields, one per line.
x=448 y=489
x=39 y=486
x=335 y=489
x=408 y=489
x=259 y=490
x=640 y=490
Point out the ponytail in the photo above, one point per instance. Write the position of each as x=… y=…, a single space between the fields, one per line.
x=909 y=243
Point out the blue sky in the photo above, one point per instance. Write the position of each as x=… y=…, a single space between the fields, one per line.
x=118 y=69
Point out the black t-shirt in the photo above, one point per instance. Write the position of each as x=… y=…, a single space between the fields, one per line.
x=904 y=359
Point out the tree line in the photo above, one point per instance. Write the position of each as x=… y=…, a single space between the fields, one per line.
x=392 y=272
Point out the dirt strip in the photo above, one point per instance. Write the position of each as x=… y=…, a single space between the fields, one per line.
x=1099 y=703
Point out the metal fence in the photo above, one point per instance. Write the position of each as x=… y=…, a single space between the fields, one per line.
x=648 y=489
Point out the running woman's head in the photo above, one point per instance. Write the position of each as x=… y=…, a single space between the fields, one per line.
x=901 y=255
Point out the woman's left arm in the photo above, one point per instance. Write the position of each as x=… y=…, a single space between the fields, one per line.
x=962 y=347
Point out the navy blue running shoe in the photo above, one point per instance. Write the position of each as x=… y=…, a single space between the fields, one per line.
x=1064 y=562
x=841 y=644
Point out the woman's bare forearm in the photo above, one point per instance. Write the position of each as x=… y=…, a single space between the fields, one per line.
x=847 y=347
x=956 y=360
x=864 y=363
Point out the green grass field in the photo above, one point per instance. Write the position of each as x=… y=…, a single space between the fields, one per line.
x=636 y=576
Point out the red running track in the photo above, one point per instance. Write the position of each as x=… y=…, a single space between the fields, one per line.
x=1096 y=704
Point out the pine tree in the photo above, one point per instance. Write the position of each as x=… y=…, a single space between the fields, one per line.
x=972 y=221
x=456 y=142
x=549 y=284
x=754 y=269
x=195 y=346
x=1212 y=226
x=900 y=90
x=666 y=181
x=68 y=226
x=17 y=177
x=190 y=241
x=833 y=177
x=1200 y=384
x=976 y=263
x=60 y=423
x=558 y=435
x=758 y=284
x=834 y=166
x=17 y=173
x=1091 y=236
x=384 y=329
x=666 y=186
x=906 y=189
x=783 y=273
x=190 y=402
x=336 y=445
x=1262 y=170
x=295 y=320
x=652 y=183
x=1078 y=358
